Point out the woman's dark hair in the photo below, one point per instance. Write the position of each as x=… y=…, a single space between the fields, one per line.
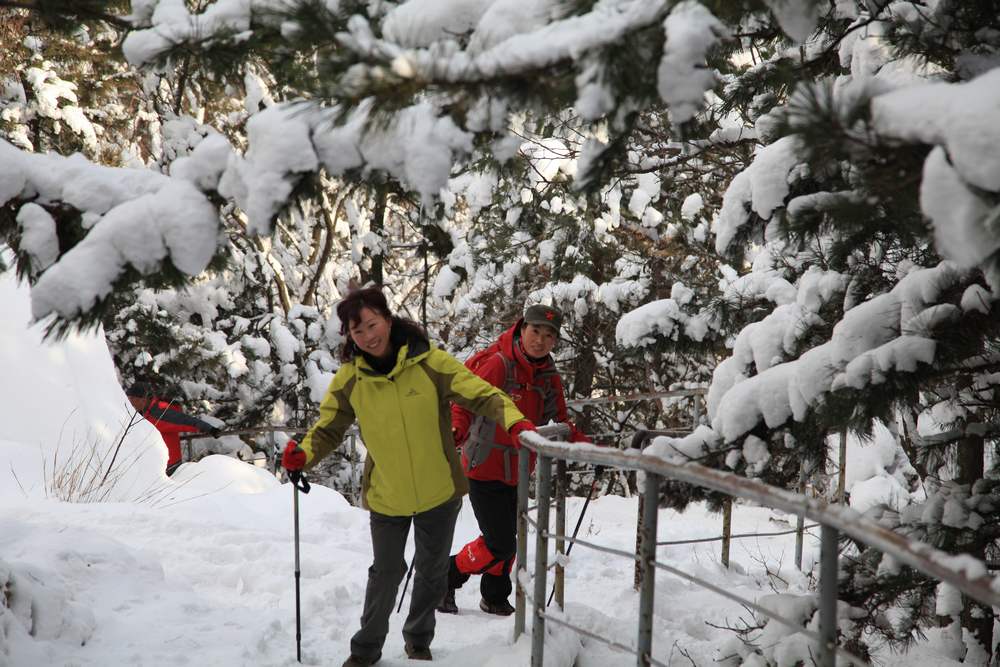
x=349 y=312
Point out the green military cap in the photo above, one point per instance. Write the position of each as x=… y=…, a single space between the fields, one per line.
x=543 y=315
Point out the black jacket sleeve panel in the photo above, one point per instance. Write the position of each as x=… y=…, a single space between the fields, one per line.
x=171 y=416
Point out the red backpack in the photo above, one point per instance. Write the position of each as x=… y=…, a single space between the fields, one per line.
x=480 y=442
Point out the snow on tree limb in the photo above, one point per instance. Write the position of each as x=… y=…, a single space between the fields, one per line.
x=872 y=339
x=760 y=189
x=136 y=218
x=171 y=23
x=280 y=150
x=683 y=78
x=797 y=18
x=961 y=120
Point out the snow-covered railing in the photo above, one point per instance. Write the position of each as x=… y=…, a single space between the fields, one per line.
x=833 y=519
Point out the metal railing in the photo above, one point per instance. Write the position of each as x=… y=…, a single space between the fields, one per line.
x=833 y=520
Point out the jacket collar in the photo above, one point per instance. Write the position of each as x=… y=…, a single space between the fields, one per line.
x=410 y=352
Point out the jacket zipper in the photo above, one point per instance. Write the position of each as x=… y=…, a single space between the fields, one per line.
x=409 y=451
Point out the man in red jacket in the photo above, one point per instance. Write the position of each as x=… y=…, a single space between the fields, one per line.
x=520 y=363
x=168 y=419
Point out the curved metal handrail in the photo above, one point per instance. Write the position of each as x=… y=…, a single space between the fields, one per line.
x=833 y=519
x=921 y=556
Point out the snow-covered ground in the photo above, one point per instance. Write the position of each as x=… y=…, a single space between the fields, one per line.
x=198 y=569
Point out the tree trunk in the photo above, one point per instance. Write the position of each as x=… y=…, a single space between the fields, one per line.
x=585 y=369
x=374 y=275
x=976 y=618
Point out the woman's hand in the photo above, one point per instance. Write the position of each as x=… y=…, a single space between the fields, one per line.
x=518 y=428
x=294 y=457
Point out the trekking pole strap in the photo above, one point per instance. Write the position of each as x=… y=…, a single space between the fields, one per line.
x=299 y=481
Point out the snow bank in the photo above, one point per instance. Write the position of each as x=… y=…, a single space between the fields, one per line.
x=60 y=396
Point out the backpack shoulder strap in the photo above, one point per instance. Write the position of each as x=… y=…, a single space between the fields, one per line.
x=510 y=382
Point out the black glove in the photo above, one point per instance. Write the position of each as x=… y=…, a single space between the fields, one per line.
x=215 y=431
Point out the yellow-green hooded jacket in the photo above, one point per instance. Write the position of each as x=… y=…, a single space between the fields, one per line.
x=405 y=419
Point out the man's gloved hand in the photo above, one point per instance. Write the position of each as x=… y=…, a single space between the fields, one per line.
x=517 y=429
x=215 y=431
x=294 y=457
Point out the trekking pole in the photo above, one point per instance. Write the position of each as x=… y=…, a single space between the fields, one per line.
x=297 y=478
x=406 y=583
x=598 y=473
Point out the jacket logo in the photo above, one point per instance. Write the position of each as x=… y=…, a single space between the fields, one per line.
x=412 y=392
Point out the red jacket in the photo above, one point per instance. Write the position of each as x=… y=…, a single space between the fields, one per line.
x=488 y=452
x=171 y=422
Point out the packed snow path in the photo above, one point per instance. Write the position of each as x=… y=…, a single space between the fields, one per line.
x=209 y=580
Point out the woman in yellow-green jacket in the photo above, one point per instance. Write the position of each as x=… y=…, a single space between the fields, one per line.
x=399 y=387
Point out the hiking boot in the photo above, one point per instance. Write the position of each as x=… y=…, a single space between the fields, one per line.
x=418 y=652
x=447 y=604
x=501 y=608
x=358 y=661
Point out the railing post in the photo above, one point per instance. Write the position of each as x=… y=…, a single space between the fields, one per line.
x=800 y=521
x=828 y=595
x=647 y=556
x=560 y=532
x=638 y=442
x=523 y=472
x=727 y=529
x=543 y=497
x=842 y=473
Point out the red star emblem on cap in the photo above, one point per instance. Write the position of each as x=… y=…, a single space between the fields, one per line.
x=550 y=315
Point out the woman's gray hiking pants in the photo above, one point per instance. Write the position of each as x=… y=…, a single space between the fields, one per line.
x=433 y=531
